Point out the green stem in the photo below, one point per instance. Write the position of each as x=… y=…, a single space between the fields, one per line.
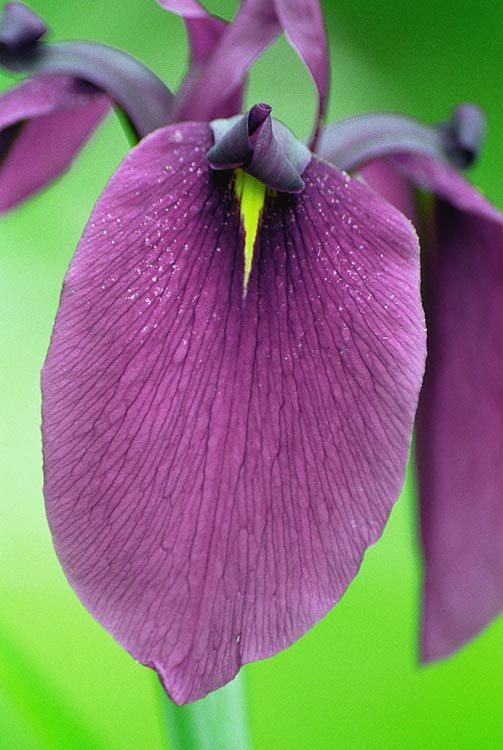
x=218 y=722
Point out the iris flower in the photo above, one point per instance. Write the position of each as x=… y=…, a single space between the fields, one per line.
x=236 y=362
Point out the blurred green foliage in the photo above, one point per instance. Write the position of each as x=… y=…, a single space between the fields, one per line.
x=353 y=681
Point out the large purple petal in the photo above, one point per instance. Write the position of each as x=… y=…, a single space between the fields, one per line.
x=460 y=432
x=216 y=464
x=44 y=122
x=460 y=420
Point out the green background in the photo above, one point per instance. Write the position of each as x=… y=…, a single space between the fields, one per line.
x=353 y=681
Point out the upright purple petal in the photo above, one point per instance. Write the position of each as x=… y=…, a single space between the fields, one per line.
x=216 y=465
x=227 y=53
x=214 y=87
x=44 y=122
x=460 y=419
x=204 y=30
x=302 y=21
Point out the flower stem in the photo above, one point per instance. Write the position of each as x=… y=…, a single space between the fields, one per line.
x=218 y=722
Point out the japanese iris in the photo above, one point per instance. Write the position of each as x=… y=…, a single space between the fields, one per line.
x=236 y=361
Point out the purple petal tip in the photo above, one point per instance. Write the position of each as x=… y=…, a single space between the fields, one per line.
x=20 y=27
x=467 y=129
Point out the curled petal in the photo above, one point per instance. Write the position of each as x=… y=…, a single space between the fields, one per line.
x=216 y=465
x=352 y=143
x=263 y=147
x=44 y=123
x=129 y=84
x=465 y=131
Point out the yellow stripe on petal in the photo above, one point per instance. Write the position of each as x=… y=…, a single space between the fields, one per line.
x=251 y=196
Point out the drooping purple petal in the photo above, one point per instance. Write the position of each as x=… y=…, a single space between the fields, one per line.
x=460 y=433
x=216 y=465
x=352 y=143
x=44 y=122
x=460 y=419
x=302 y=21
x=263 y=147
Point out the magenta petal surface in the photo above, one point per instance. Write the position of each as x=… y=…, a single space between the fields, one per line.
x=460 y=420
x=383 y=177
x=217 y=463
x=44 y=122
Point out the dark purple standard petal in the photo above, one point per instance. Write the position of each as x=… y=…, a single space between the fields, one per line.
x=43 y=125
x=216 y=464
x=204 y=30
